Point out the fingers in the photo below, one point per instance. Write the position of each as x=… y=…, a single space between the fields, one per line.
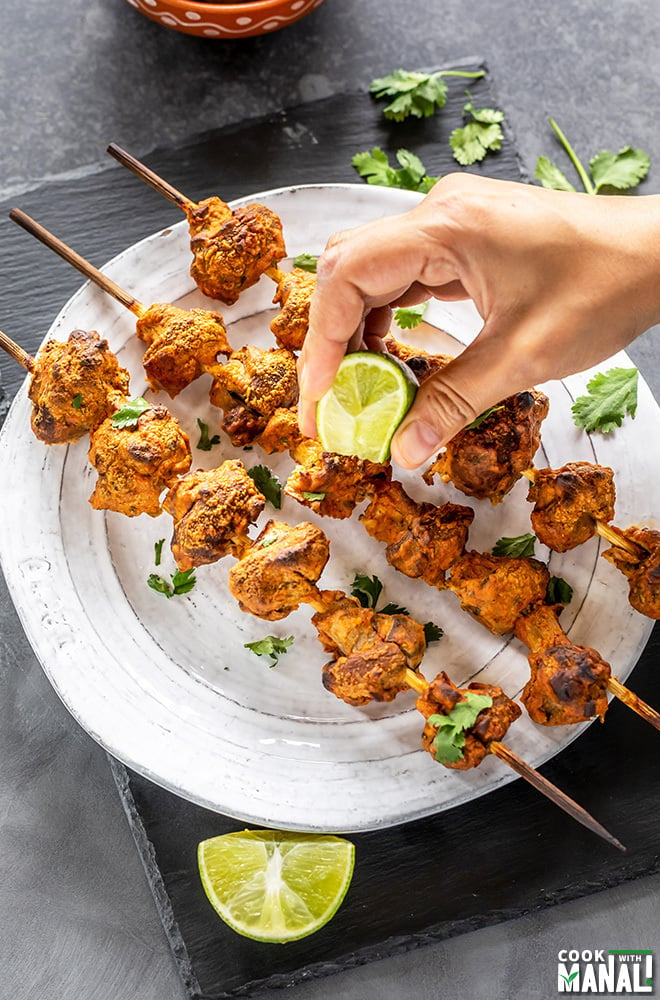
x=453 y=398
x=360 y=272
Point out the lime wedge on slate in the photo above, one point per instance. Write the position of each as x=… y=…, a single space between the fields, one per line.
x=275 y=886
x=365 y=404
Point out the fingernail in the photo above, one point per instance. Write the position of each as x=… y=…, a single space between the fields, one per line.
x=415 y=443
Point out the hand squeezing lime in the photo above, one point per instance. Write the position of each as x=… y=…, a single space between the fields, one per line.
x=365 y=404
x=275 y=886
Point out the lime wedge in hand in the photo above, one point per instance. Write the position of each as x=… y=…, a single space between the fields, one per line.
x=275 y=886
x=365 y=404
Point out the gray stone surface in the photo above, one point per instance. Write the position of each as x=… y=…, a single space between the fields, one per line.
x=76 y=916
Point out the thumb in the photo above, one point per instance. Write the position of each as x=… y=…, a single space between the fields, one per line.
x=447 y=402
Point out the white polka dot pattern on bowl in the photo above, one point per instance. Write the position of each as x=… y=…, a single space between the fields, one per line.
x=194 y=22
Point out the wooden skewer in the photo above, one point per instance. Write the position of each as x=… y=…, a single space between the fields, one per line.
x=521 y=767
x=609 y=532
x=551 y=791
x=156 y=182
x=16 y=352
x=625 y=695
x=100 y=279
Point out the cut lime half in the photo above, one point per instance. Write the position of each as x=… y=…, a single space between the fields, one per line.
x=365 y=404
x=275 y=886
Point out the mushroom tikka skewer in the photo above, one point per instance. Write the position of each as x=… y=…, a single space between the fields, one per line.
x=182 y=344
x=231 y=248
x=375 y=656
x=137 y=448
x=576 y=502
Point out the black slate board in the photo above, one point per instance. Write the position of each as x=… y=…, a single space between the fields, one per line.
x=497 y=858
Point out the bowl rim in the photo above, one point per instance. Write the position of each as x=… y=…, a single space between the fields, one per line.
x=254 y=6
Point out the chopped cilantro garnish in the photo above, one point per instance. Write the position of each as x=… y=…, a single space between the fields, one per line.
x=129 y=414
x=158 y=550
x=306 y=262
x=375 y=168
x=313 y=496
x=481 y=135
x=270 y=645
x=367 y=589
x=267 y=484
x=76 y=402
x=416 y=94
x=450 y=737
x=205 y=442
x=519 y=545
x=393 y=609
x=410 y=316
x=432 y=633
x=478 y=421
x=610 y=397
x=559 y=591
x=182 y=583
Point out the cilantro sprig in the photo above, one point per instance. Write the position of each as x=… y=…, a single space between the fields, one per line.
x=267 y=484
x=517 y=545
x=417 y=95
x=607 y=171
x=368 y=589
x=206 y=442
x=451 y=729
x=375 y=168
x=182 y=583
x=130 y=413
x=306 y=262
x=410 y=316
x=482 y=134
x=158 y=551
x=270 y=645
x=610 y=397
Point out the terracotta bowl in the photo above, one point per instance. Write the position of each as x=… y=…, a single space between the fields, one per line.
x=229 y=20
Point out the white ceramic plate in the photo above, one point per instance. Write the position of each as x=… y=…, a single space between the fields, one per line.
x=168 y=687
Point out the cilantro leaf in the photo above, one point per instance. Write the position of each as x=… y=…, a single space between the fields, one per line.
x=306 y=262
x=205 y=442
x=76 y=402
x=432 y=633
x=559 y=591
x=160 y=585
x=393 y=609
x=518 y=545
x=313 y=496
x=367 y=589
x=410 y=316
x=550 y=176
x=483 y=134
x=621 y=171
x=375 y=168
x=478 y=421
x=415 y=94
x=158 y=550
x=611 y=395
x=607 y=171
x=267 y=484
x=270 y=645
x=129 y=414
x=183 y=581
x=450 y=737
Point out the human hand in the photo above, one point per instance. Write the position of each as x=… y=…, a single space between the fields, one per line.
x=561 y=280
